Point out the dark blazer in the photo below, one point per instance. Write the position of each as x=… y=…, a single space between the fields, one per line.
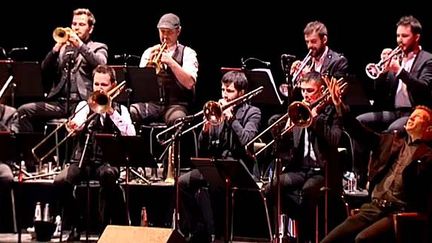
x=89 y=55
x=229 y=138
x=326 y=130
x=335 y=64
x=385 y=152
x=418 y=82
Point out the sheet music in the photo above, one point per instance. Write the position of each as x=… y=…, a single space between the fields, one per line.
x=270 y=76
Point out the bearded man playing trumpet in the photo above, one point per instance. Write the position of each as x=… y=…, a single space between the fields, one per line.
x=312 y=162
x=223 y=140
x=68 y=72
x=90 y=119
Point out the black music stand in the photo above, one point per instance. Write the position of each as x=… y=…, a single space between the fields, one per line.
x=27 y=80
x=232 y=175
x=260 y=77
x=125 y=151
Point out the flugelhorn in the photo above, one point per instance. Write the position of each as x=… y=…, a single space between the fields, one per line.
x=98 y=102
x=299 y=114
x=212 y=111
x=374 y=70
x=61 y=34
x=156 y=60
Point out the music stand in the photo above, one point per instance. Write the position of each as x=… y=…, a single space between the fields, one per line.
x=229 y=174
x=260 y=77
x=125 y=150
x=27 y=82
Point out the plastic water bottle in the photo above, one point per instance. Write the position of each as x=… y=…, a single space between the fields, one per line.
x=352 y=182
x=144 y=221
x=38 y=212
x=46 y=214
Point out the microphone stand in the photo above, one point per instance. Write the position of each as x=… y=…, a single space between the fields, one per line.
x=89 y=134
x=279 y=232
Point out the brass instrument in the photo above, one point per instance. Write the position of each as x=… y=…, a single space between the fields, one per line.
x=283 y=88
x=212 y=111
x=298 y=114
x=98 y=102
x=156 y=60
x=61 y=34
x=374 y=70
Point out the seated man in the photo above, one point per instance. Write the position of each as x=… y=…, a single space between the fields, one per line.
x=312 y=152
x=115 y=118
x=225 y=140
x=400 y=170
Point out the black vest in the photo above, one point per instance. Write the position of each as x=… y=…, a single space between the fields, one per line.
x=171 y=91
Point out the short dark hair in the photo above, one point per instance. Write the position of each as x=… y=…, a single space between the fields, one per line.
x=313 y=76
x=103 y=68
x=316 y=26
x=91 y=18
x=410 y=20
x=238 y=78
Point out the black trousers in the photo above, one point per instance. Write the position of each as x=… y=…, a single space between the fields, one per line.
x=371 y=224
x=112 y=206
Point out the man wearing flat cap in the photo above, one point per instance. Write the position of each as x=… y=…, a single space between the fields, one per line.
x=176 y=67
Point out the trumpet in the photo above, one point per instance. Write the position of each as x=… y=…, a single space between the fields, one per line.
x=283 y=88
x=212 y=111
x=99 y=102
x=156 y=60
x=374 y=70
x=61 y=34
x=299 y=114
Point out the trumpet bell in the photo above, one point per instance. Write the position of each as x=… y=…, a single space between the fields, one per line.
x=61 y=35
x=373 y=71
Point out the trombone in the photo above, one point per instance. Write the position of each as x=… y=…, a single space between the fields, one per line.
x=374 y=70
x=99 y=102
x=298 y=114
x=212 y=112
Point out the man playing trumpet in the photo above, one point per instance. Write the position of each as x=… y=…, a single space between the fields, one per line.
x=68 y=68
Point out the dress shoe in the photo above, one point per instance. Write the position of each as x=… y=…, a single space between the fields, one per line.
x=74 y=235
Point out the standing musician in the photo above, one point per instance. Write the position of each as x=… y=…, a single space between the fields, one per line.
x=113 y=118
x=177 y=68
x=320 y=58
x=226 y=140
x=69 y=67
x=312 y=152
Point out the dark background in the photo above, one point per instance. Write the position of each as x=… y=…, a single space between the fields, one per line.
x=220 y=32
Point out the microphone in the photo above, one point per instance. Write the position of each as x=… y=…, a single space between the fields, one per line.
x=288 y=57
x=24 y=48
x=121 y=56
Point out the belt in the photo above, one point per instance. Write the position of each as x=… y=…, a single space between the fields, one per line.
x=386 y=205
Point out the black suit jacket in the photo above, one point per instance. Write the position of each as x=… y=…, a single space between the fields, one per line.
x=228 y=139
x=335 y=64
x=418 y=82
x=326 y=132
x=89 y=55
